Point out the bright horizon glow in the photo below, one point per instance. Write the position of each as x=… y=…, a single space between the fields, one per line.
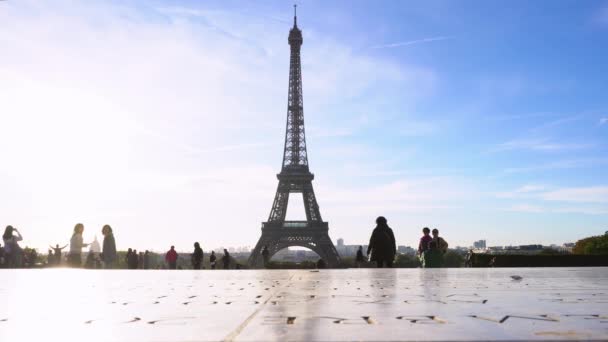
x=167 y=121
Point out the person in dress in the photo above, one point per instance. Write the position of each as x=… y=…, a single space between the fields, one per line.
x=108 y=251
x=76 y=246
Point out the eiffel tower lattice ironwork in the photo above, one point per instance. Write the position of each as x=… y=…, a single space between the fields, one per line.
x=295 y=177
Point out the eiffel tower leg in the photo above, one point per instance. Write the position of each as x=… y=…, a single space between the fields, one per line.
x=310 y=204
x=279 y=206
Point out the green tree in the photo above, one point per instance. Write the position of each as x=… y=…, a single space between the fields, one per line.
x=592 y=245
x=453 y=259
x=407 y=261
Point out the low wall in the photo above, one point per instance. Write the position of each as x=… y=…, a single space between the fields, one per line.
x=567 y=260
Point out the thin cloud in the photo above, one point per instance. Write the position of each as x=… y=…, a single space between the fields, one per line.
x=538 y=145
x=411 y=42
x=603 y=121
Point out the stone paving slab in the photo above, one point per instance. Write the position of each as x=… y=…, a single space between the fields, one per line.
x=302 y=305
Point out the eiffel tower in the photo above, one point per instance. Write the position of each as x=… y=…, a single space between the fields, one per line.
x=295 y=177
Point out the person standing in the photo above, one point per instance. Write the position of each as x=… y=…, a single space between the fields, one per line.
x=57 y=254
x=171 y=258
x=360 y=259
x=212 y=260
x=146 y=259
x=12 y=251
x=426 y=238
x=197 y=257
x=432 y=257
x=76 y=246
x=108 y=252
x=442 y=245
x=133 y=260
x=266 y=256
x=226 y=259
x=382 y=244
x=128 y=256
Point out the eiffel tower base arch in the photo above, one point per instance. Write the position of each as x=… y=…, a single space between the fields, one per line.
x=317 y=240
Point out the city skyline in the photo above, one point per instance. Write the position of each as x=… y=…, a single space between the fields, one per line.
x=145 y=116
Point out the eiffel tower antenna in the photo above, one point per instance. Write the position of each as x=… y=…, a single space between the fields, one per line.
x=295 y=177
x=295 y=15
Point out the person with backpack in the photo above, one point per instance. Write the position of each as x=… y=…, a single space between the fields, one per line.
x=382 y=244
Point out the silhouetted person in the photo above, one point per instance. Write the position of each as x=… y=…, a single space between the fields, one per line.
x=266 y=256
x=50 y=258
x=442 y=245
x=212 y=260
x=12 y=251
x=1 y=256
x=108 y=251
x=197 y=256
x=382 y=244
x=32 y=257
x=57 y=254
x=146 y=259
x=133 y=260
x=171 y=258
x=426 y=238
x=360 y=259
x=432 y=257
x=226 y=259
x=321 y=264
x=128 y=256
x=76 y=246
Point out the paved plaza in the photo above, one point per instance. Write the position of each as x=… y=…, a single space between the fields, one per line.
x=303 y=305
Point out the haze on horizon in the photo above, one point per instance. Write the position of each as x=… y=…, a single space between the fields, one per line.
x=166 y=120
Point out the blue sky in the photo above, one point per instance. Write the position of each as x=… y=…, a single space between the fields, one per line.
x=166 y=119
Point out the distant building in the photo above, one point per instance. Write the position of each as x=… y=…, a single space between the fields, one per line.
x=406 y=250
x=340 y=242
x=481 y=244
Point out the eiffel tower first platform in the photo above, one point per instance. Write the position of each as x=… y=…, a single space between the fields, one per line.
x=295 y=177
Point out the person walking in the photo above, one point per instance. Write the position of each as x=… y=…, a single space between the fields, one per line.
x=108 y=251
x=265 y=256
x=76 y=246
x=212 y=260
x=382 y=244
x=432 y=257
x=442 y=245
x=426 y=238
x=360 y=259
x=13 y=255
x=226 y=259
x=197 y=257
x=171 y=258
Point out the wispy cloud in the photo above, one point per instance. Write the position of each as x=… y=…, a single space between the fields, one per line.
x=545 y=145
x=411 y=42
x=600 y=17
x=591 y=194
x=603 y=121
